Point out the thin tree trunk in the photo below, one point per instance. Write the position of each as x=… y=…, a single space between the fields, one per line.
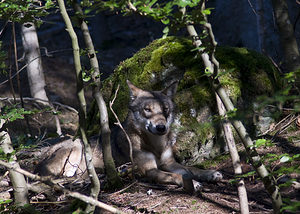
x=82 y=109
x=261 y=27
x=242 y=192
x=33 y=58
x=211 y=63
x=35 y=71
x=109 y=164
x=226 y=128
x=17 y=179
x=287 y=37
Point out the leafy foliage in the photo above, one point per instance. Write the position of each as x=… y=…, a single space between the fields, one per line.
x=292 y=206
x=12 y=113
x=7 y=156
x=24 y=10
x=2 y=59
x=174 y=14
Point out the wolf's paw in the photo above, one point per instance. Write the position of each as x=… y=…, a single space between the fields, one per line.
x=197 y=186
x=215 y=176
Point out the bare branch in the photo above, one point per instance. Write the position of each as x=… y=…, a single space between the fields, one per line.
x=119 y=123
x=26 y=65
x=37 y=99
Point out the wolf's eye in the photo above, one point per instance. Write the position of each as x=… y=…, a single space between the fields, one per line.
x=147 y=109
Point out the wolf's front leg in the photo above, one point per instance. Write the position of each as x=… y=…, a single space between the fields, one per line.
x=206 y=175
x=146 y=163
x=197 y=174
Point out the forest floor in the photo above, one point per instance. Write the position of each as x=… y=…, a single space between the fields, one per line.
x=139 y=196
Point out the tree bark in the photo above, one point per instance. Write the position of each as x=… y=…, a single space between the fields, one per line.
x=33 y=58
x=95 y=189
x=110 y=168
x=287 y=37
x=17 y=179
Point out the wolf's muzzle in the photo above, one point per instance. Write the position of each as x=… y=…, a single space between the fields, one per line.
x=161 y=129
x=157 y=129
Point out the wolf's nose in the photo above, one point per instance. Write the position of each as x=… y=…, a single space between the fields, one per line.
x=161 y=128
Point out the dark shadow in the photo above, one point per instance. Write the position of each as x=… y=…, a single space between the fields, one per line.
x=286 y=146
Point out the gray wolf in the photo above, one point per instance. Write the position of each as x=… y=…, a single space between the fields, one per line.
x=148 y=125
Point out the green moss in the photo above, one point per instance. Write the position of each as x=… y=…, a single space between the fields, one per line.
x=251 y=73
x=145 y=68
x=196 y=97
x=154 y=65
x=232 y=83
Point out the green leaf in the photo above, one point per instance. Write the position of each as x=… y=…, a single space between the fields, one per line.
x=206 y=11
x=292 y=206
x=260 y=142
x=200 y=49
x=165 y=21
x=285 y=159
x=224 y=72
x=165 y=31
x=5 y=201
x=295 y=157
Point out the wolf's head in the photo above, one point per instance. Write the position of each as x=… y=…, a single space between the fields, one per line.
x=152 y=110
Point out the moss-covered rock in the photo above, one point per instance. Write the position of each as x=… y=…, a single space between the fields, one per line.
x=246 y=75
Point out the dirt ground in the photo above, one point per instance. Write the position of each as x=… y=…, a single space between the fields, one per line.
x=139 y=196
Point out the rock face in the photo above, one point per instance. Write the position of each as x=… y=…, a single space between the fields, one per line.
x=247 y=75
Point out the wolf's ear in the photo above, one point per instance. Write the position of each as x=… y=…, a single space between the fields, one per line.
x=133 y=90
x=171 y=89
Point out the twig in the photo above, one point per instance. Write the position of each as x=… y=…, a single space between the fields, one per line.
x=10 y=70
x=275 y=64
x=18 y=77
x=289 y=118
x=254 y=11
x=47 y=180
x=25 y=66
x=38 y=99
x=134 y=9
x=120 y=125
x=1 y=31
x=281 y=121
x=48 y=202
x=3 y=176
x=156 y=205
x=287 y=124
x=66 y=162
x=124 y=189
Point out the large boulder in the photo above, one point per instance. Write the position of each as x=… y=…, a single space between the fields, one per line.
x=246 y=75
